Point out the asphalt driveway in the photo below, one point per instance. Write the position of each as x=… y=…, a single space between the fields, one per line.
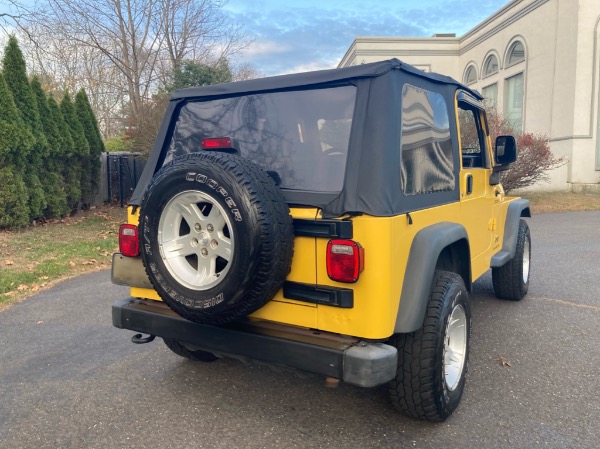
x=68 y=379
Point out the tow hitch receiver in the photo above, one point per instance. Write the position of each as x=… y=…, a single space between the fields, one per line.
x=139 y=339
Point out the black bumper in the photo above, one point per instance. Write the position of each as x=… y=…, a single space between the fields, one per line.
x=348 y=359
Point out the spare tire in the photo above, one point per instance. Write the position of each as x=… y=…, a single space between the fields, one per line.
x=216 y=236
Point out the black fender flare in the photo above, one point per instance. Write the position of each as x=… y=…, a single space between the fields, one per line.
x=424 y=252
x=516 y=209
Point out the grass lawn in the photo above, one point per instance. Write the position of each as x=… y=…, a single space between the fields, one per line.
x=42 y=255
x=562 y=201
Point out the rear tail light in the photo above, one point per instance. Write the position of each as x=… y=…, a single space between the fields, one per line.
x=129 y=244
x=345 y=260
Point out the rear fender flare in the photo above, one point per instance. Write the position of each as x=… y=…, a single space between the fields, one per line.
x=422 y=259
x=516 y=209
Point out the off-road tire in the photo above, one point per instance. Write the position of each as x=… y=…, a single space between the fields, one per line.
x=420 y=389
x=198 y=356
x=253 y=219
x=511 y=281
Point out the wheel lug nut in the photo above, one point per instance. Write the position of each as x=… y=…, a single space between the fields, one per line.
x=210 y=228
x=214 y=243
x=204 y=251
x=197 y=227
x=194 y=242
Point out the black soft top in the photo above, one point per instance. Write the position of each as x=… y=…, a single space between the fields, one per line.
x=307 y=79
x=372 y=178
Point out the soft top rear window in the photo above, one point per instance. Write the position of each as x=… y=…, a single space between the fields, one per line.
x=303 y=136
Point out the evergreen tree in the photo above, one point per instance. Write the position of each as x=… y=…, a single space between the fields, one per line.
x=64 y=148
x=15 y=141
x=77 y=191
x=63 y=151
x=52 y=181
x=14 y=212
x=191 y=74
x=92 y=133
x=15 y=73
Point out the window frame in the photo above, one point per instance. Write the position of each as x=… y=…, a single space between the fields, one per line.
x=477 y=112
x=495 y=103
x=506 y=99
x=484 y=71
x=510 y=51
x=468 y=69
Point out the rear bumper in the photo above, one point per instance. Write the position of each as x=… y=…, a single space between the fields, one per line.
x=349 y=359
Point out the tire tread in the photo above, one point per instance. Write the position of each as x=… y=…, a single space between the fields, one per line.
x=414 y=391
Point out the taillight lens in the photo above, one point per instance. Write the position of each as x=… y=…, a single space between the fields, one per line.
x=345 y=260
x=129 y=244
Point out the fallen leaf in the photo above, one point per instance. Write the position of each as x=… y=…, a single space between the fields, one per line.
x=503 y=361
x=71 y=263
x=40 y=322
x=22 y=287
x=8 y=262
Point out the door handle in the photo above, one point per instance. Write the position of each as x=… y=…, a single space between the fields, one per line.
x=469 y=184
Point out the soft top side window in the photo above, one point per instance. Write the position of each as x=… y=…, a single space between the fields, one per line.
x=426 y=144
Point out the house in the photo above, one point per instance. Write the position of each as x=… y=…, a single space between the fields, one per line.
x=537 y=61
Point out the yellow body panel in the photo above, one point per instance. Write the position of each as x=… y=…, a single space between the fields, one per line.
x=387 y=242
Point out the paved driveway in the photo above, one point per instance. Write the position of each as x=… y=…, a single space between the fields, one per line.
x=68 y=379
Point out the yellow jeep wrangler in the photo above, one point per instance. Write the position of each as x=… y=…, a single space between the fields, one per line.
x=332 y=222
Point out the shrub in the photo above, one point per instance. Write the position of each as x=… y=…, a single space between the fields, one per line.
x=118 y=143
x=535 y=159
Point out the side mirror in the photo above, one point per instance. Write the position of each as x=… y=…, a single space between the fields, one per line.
x=505 y=152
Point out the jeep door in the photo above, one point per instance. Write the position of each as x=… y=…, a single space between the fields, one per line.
x=477 y=196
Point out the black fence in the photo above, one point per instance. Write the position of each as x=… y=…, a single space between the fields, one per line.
x=120 y=174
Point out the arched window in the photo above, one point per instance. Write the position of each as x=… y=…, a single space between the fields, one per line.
x=516 y=54
x=470 y=75
x=490 y=66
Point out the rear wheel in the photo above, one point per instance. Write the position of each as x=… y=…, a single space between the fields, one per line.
x=198 y=356
x=511 y=281
x=432 y=361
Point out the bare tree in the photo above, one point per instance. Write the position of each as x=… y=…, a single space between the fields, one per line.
x=62 y=67
x=141 y=40
x=121 y=30
x=245 y=72
x=196 y=30
x=11 y=15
